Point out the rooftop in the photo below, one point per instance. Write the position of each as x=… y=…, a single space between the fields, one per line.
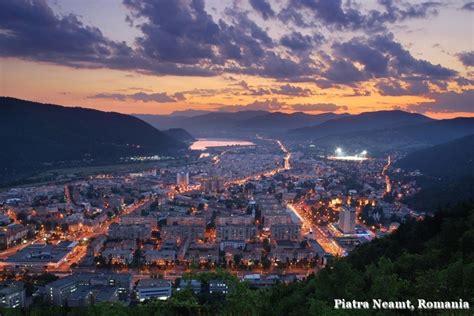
x=144 y=283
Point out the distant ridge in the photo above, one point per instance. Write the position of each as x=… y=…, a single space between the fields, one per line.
x=35 y=135
x=180 y=134
x=283 y=121
x=214 y=123
x=362 y=122
x=384 y=130
x=188 y=113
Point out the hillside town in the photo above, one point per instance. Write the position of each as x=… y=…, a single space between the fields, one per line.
x=264 y=212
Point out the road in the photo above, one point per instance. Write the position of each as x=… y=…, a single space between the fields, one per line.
x=287 y=165
x=217 y=158
x=81 y=251
x=105 y=226
x=268 y=173
x=12 y=250
x=388 y=183
x=67 y=194
x=328 y=244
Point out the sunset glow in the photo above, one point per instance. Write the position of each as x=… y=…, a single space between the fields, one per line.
x=289 y=56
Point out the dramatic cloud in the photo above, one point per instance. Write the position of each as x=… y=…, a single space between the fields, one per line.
x=176 y=31
x=298 y=42
x=183 y=32
x=257 y=92
x=287 y=90
x=356 y=50
x=31 y=30
x=292 y=15
x=403 y=63
x=262 y=7
x=447 y=102
x=183 y=38
x=468 y=6
x=275 y=105
x=399 y=11
x=394 y=88
x=467 y=58
x=380 y=57
x=161 y=97
x=292 y=91
x=347 y=15
x=265 y=105
x=275 y=66
x=344 y=72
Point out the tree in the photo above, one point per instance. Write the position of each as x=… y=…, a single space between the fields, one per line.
x=266 y=263
x=237 y=259
x=241 y=300
x=22 y=217
x=137 y=258
x=266 y=245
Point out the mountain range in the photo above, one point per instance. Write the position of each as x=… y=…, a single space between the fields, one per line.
x=376 y=132
x=215 y=124
x=36 y=136
x=362 y=122
x=384 y=130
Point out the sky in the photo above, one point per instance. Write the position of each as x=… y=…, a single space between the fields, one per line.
x=160 y=56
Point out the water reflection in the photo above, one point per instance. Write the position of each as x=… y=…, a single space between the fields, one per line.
x=204 y=143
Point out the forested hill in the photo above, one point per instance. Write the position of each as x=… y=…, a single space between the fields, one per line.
x=35 y=135
x=453 y=159
x=180 y=134
x=431 y=259
x=447 y=174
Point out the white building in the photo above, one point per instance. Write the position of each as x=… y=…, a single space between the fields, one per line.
x=347 y=218
x=153 y=288
x=182 y=179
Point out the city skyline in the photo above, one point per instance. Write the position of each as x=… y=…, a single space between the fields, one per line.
x=313 y=56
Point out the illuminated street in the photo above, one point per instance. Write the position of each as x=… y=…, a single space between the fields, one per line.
x=315 y=232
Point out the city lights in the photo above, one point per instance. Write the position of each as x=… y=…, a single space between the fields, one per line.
x=236 y=157
x=341 y=156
